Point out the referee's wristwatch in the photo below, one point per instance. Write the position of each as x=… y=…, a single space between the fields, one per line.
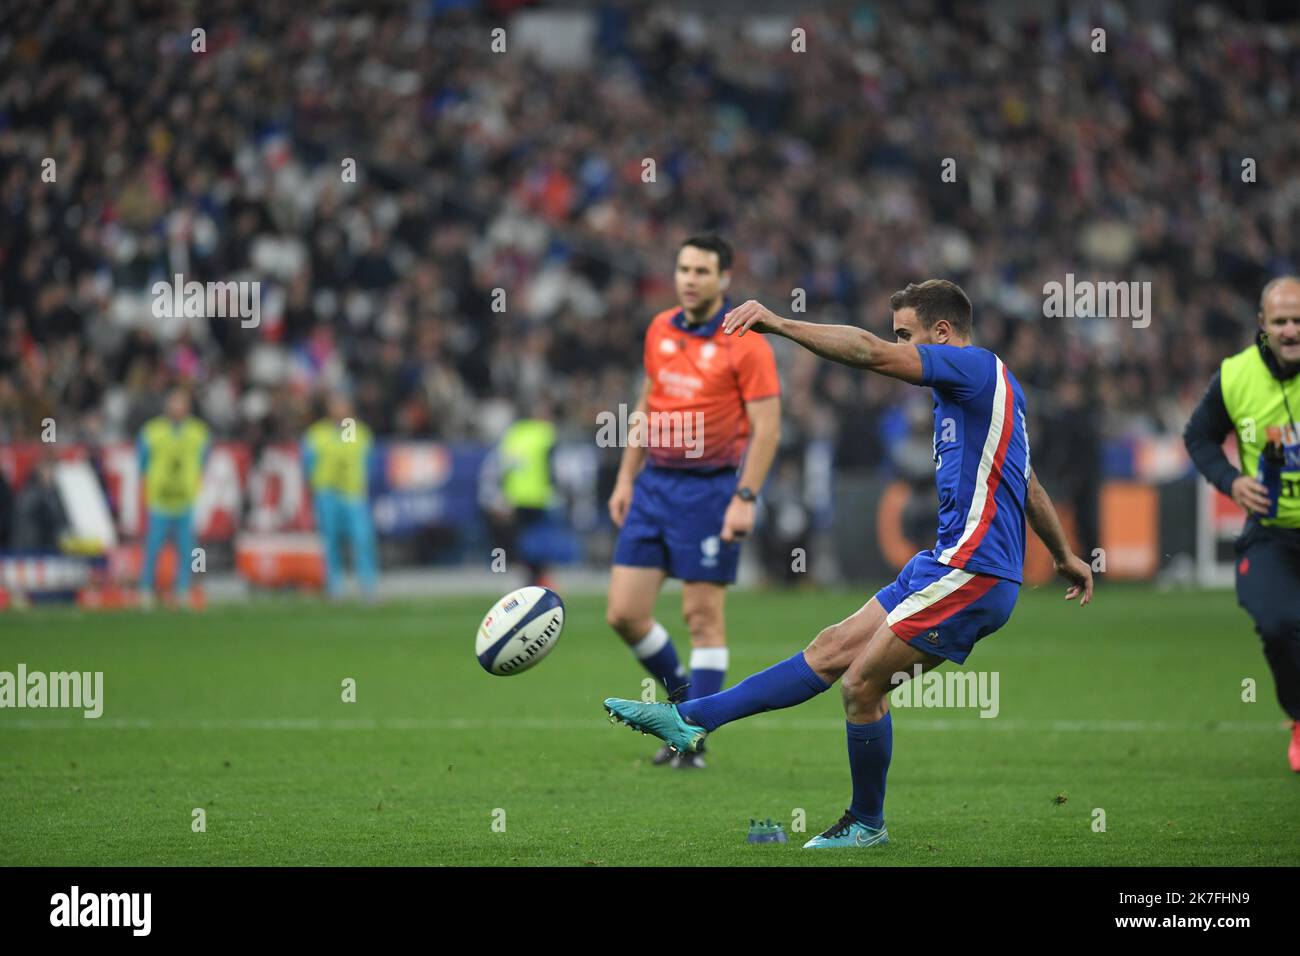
x=745 y=493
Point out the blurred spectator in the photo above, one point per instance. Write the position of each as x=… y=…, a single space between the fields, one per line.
x=786 y=524
x=499 y=240
x=519 y=495
x=173 y=450
x=6 y=512
x=39 y=518
x=337 y=451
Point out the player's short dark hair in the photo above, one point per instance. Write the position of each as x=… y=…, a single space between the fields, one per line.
x=711 y=242
x=935 y=300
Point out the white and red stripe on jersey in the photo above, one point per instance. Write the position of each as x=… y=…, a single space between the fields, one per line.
x=981 y=454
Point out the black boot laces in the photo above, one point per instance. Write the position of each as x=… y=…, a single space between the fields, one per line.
x=841 y=826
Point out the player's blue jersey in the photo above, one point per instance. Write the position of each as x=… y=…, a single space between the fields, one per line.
x=981 y=454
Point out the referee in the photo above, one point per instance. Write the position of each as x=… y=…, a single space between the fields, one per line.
x=1254 y=389
x=684 y=499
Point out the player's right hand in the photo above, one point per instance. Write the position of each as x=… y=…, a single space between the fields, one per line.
x=749 y=316
x=1075 y=570
x=619 y=502
x=1250 y=494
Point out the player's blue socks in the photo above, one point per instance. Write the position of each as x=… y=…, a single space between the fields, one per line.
x=782 y=685
x=870 y=747
x=657 y=655
x=708 y=671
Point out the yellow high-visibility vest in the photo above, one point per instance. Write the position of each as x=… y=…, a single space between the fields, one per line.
x=340 y=450
x=174 y=468
x=525 y=465
x=1254 y=400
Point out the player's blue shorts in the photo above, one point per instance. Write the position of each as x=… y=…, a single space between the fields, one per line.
x=675 y=521
x=943 y=610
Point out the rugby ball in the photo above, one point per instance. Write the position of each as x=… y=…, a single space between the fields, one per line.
x=521 y=629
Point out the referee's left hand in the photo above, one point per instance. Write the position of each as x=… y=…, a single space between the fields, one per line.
x=738 y=522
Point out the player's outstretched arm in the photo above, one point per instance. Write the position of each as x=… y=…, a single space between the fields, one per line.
x=1047 y=525
x=846 y=344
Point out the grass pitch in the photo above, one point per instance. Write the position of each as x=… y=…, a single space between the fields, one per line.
x=1132 y=706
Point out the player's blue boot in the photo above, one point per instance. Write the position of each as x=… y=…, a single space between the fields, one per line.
x=662 y=720
x=848 y=831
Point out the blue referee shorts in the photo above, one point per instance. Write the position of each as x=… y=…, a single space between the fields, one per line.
x=675 y=521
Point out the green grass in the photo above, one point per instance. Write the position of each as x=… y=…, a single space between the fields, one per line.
x=1132 y=705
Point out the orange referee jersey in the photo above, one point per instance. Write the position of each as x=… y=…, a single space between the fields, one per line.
x=700 y=370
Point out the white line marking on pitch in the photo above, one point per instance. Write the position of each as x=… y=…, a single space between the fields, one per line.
x=906 y=723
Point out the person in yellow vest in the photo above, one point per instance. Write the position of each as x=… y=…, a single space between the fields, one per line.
x=1255 y=393
x=172 y=450
x=336 y=458
x=527 y=493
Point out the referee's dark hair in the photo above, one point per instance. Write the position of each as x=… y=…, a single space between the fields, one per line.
x=935 y=300
x=711 y=242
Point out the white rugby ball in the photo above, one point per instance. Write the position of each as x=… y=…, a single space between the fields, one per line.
x=521 y=629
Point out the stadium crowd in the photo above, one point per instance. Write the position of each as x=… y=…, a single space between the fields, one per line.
x=501 y=241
